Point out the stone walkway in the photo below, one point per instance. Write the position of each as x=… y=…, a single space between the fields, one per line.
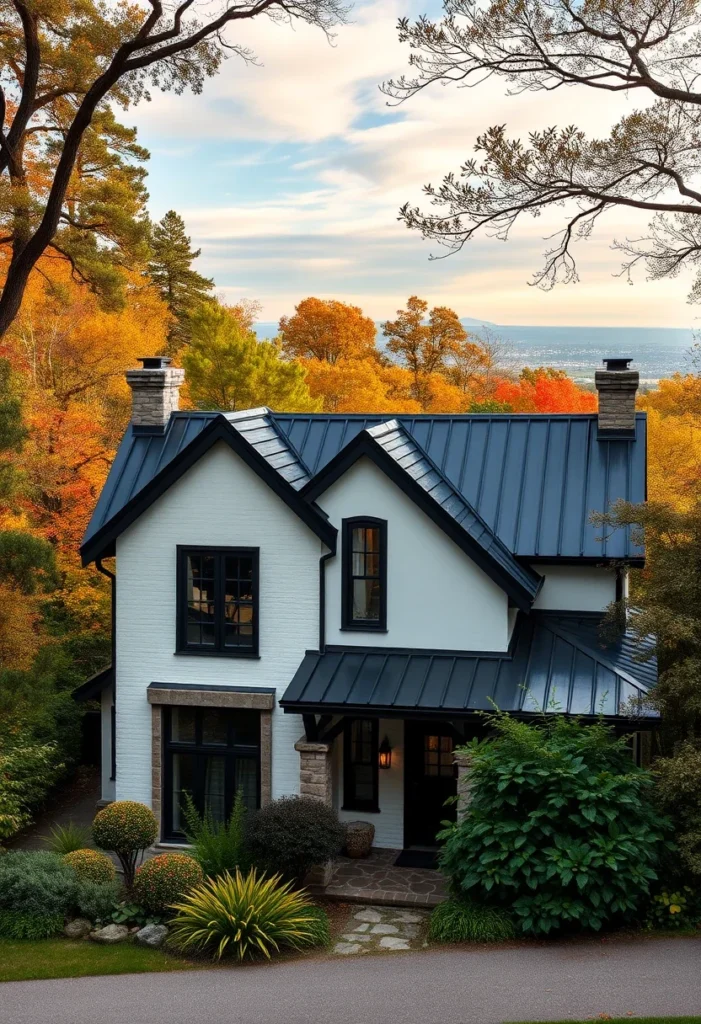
x=374 y=879
x=381 y=928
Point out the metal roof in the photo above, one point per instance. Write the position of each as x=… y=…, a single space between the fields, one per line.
x=533 y=479
x=555 y=663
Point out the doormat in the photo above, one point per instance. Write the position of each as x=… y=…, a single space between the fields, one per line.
x=417 y=859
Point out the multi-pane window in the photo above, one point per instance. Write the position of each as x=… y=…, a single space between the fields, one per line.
x=438 y=756
x=360 y=753
x=364 y=574
x=209 y=754
x=218 y=600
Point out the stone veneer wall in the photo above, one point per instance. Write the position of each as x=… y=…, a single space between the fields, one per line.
x=262 y=702
x=464 y=783
x=315 y=778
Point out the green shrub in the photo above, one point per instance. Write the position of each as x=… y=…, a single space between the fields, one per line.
x=218 y=846
x=560 y=827
x=127 y=828
x=39 y=884
x=244 y=916
x=27 y=772
x=678 y=781
x=163 y=880
x=675 y=910
x=319 y=926
x=91 y=865
x=68 y=838
x=14 y=924
x=459 y=920
x=293 y=834
x=97 y=900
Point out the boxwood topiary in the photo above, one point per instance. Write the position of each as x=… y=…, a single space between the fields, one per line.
x=91 y=865
x=127 y=828
x=292 y=835
x=164 y=879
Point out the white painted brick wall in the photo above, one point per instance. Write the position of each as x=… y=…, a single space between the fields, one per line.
x=220 y=501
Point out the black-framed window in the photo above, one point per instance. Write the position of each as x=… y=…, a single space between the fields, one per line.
x=209 y=753
x=218 y=601
x=364 y=600
x=360 y=754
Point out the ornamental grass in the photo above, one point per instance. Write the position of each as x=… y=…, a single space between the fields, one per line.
x=245 y=916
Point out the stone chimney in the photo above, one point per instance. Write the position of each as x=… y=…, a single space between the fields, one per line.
x=154 y=392
x=617 y=385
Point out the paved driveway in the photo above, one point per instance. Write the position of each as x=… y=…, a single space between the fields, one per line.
x=451 y=986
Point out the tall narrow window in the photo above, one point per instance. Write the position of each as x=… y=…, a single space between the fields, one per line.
x=218 y=600
x=364 y=604
x=360 y=754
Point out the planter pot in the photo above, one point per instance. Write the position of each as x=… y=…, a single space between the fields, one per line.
x=359 y=837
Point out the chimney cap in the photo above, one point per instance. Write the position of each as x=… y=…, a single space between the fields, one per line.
x=617 y=363
x=154 y=362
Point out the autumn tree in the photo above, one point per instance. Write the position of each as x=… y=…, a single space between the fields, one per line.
x=328 y=330
x=170 y=267
x=647 y=162
x=65 y=66
x=227 y=368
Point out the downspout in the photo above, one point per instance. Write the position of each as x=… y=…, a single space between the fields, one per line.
x=322 y=599
x=113 y=587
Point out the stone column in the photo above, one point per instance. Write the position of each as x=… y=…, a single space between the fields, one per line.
x=463 y=762
x=315 y=778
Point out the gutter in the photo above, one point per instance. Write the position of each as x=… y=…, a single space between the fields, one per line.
x=113 y=641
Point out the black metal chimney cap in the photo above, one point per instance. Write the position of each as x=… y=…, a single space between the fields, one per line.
x=617 y=363
x=154 y=362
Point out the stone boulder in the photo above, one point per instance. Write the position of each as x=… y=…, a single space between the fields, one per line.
x=110 y=934
x=153 y=935
x=79 y=928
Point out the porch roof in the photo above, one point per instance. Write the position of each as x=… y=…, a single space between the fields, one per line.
x=555 y=662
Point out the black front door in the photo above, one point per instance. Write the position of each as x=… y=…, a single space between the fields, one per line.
x=429 y=779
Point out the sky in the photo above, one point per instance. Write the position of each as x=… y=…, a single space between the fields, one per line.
x=290 y=174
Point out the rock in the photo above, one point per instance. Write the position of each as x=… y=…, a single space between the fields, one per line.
x=361 y=928
x=384 y=929
x=404 y=917
x=110 y=934
x=373 y=916
x=153 y=935
x=78 y=928
x=347 y=948
x=134 y=929
x=392 y=942
x=354 y=937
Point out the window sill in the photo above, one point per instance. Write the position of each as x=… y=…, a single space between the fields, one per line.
x=364 y=627
x=250 y=655
x=361 y=810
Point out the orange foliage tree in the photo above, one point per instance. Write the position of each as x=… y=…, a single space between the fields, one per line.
x=544 y=390
x=328 y=330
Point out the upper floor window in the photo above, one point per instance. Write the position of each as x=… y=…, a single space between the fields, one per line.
x=218 y=600
x=364 y=603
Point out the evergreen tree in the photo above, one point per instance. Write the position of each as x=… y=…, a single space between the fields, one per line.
x=181 y=287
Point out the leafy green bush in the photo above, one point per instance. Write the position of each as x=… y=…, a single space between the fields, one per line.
x=244 y=916
x=27 y=772
x=459 y=920
x=292 y=835
x=163 y=880
x=319 y=926
x=675 y=910
x=218 y=846
x=679 y=790
x=14 y=924
x=91 y=865
x=68 y=838
x=37 y=884
x=97 y=900
x=127 y=828
x=560 y=827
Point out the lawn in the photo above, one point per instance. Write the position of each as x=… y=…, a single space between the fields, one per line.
x=63 y=958
x=626 y=1020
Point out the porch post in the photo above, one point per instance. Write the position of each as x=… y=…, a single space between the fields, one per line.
x=315 y=770
x=463 y=762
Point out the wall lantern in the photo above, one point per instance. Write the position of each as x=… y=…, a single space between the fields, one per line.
x=385 y=752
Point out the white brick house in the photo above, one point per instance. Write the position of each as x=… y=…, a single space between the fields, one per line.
x=324 y=603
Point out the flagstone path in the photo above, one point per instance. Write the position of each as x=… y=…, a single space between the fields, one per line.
x=382 y=928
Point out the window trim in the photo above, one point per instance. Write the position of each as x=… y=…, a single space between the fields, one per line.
x=350 y=803
x=218 y=650
x=347 y=620
x=198 y=749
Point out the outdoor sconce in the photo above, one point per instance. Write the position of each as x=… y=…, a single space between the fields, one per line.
x=385 y=760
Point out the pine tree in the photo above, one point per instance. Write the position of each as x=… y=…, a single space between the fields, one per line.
x=181 y=287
